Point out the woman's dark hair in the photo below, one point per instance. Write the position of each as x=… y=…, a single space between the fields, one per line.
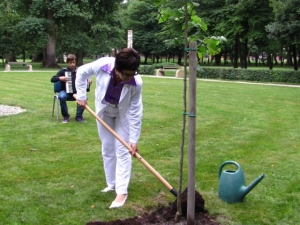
x=127 y=59
x=71 y=57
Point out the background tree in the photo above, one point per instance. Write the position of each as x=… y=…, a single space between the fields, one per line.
x=8 y=19
x=32 y=37
x=242 y=22
x=141 y=18
x=212 y=13
x=109 y=33
x=73 y=19
x=286 y=27
x=44 y=29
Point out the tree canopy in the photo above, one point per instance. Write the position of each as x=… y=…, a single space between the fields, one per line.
x=260 y=29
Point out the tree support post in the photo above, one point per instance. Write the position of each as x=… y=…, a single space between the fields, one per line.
x=192 y=133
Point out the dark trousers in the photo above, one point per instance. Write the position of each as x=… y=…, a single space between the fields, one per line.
x=63 y=98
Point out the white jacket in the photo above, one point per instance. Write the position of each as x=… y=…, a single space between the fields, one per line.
x=130 y=104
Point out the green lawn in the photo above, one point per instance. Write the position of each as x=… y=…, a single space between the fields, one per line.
x=51 y=173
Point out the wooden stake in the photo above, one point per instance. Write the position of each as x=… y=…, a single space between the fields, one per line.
x=192 y=133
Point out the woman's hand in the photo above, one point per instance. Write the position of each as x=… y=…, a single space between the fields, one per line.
x=81 y=103
x=134 y=149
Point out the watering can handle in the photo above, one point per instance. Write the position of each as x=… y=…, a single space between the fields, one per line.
x=226 y=163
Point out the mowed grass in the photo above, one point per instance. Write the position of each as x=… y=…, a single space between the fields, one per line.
x=52 y=173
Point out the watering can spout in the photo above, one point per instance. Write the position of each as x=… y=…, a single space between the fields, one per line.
x=246 y=190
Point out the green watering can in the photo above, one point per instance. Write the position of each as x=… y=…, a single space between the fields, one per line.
x=232 y=183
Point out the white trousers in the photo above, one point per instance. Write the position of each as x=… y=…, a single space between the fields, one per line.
x=117 y=160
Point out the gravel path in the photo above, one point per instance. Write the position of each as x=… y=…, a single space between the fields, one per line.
x=9 y=110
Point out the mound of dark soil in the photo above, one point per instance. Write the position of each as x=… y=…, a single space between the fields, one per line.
x=165 y=215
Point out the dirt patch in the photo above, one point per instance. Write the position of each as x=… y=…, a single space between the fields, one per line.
x=165 y=215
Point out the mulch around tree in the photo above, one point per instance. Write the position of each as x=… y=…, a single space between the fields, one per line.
x=165 y=215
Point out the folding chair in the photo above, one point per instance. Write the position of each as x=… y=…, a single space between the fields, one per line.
x=55 y=98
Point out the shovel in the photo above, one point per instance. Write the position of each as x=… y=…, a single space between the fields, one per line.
x=138 y=156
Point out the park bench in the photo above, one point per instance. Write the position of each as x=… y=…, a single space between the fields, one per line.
x=178 y=73
x=171 y=67
x=18 y=64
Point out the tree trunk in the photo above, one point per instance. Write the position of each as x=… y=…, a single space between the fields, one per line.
x=2 y=56
x=157 y=58
x=146 y=59
x=231 y=59
x=212 y=60
x=225 y=57
x=50 y=55
x=275 y=59
x=10 y=57
x=299 y=59
x=44 y=56
x=37 y=57
x=295 y=58
x=270 y=61
x=218 y=60
x=245 y=54
x=24 y=55
x=281 y=57
x=256 y=60
x=60 y=58
x=289 y=60
x=236 y=51
x=79 y=58
x=179 y=58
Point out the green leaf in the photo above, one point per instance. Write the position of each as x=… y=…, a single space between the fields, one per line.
x=163 y=18
x=201 y=51
x=212 y=45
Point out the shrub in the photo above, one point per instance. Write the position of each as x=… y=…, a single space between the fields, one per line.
x=147 y=69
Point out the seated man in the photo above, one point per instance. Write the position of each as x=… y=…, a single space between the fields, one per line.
x=67 y=77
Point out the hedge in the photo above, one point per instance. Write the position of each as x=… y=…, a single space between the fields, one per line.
x=147 y=69
x=278 y=76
